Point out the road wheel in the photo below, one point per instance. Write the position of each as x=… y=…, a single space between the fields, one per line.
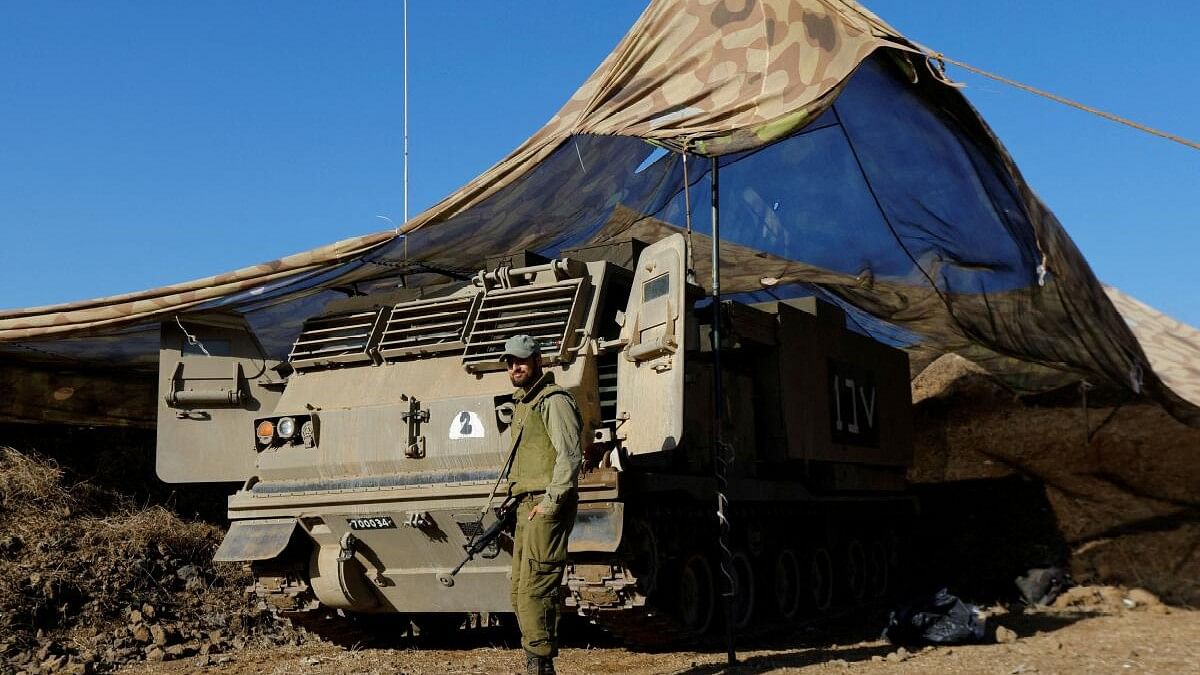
x=856 y=571
x=786 y=584
x=878 y=574
x=697 y=595
x=820 y=579
x=743 y=590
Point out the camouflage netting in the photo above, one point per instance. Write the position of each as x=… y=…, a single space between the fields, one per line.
x=847 y=169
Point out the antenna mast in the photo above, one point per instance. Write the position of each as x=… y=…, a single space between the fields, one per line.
x=405 y=114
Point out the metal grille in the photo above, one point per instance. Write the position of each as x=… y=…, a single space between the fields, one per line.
x=545 y=312
x=606 y=372
x=470 y=528
x=426 y=327
x=335 y=340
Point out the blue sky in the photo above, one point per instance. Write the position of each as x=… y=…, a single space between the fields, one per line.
x=143 y=143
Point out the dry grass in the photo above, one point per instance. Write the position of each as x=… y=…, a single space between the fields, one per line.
x=74 y=555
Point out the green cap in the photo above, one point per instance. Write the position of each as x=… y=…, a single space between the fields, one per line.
x=521 y=347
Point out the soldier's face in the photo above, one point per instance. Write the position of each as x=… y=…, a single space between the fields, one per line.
x=524 y=372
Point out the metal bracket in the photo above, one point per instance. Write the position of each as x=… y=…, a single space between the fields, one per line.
x=415 y=416
x=233 y=397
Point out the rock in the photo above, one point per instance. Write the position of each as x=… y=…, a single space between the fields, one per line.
x=47 y=650
x=159 y=635
x=877 y=658
x=156 y=654
x=54 y=663
x=1142 y=598
x=1005 y=635
x=149 y=611
x=78 y=669
x=176 y=651
x=140 y=633
x=135 y=616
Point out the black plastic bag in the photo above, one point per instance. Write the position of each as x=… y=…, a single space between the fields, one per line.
x=940 y=620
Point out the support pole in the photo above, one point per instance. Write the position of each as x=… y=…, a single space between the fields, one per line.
x=721 y=455
x=405 y=115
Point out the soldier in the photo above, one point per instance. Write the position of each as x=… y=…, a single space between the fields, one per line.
x=545 y=473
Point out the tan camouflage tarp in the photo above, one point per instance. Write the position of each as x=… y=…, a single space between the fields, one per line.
x=1172 y=346
x=998 y=280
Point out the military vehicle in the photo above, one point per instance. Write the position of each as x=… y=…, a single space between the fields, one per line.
x=367 y=456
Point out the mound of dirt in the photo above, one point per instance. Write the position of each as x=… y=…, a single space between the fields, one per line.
x=89 y=581
x=1111 y=489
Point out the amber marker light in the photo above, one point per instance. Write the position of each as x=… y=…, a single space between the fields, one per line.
x=265 y=431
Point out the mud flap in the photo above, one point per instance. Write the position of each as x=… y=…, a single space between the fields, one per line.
x=249 y=540
x=598 y=527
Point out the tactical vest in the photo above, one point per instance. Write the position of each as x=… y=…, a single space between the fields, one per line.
x=534 y=462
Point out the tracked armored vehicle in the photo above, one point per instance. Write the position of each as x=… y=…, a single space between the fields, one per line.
x=367 y=456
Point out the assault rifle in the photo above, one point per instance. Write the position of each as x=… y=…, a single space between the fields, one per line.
x=506 y=517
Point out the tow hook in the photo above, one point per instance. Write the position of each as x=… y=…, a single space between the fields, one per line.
x=346 y=547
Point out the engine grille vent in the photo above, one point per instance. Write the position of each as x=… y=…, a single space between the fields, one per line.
x=426 y=327
x=335 y=340
x=548 y=313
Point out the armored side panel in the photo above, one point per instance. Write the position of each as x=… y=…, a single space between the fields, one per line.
x=650 y=368
x=845 y=397
x=214 y=379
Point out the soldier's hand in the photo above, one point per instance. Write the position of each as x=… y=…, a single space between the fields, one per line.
x=534 y=511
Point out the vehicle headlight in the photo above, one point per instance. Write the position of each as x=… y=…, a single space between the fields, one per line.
x=286 y=428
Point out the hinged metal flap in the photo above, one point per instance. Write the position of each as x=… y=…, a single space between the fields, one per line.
x=249 y=540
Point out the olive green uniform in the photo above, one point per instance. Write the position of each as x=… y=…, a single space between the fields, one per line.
x=546 y=432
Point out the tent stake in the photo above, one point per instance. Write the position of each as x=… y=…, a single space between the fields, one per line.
x=721 y=454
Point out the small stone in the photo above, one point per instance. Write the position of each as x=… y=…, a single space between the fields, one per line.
x=895 y=657
x=949 y=651
x=840 y=662
x=1005 y=635
x=1142 y=598
x=149 y=611
x=156 y=654
x=141 y=633
x=202 y=661
x=877 y=658
x=175 y=651
x=135 y=616
x=159 y=635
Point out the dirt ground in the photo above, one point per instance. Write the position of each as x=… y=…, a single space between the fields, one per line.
x=1049 y=641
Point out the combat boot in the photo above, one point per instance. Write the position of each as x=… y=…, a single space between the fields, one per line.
x=538 y=665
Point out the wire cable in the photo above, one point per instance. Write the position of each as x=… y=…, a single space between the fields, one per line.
x=942 y=60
